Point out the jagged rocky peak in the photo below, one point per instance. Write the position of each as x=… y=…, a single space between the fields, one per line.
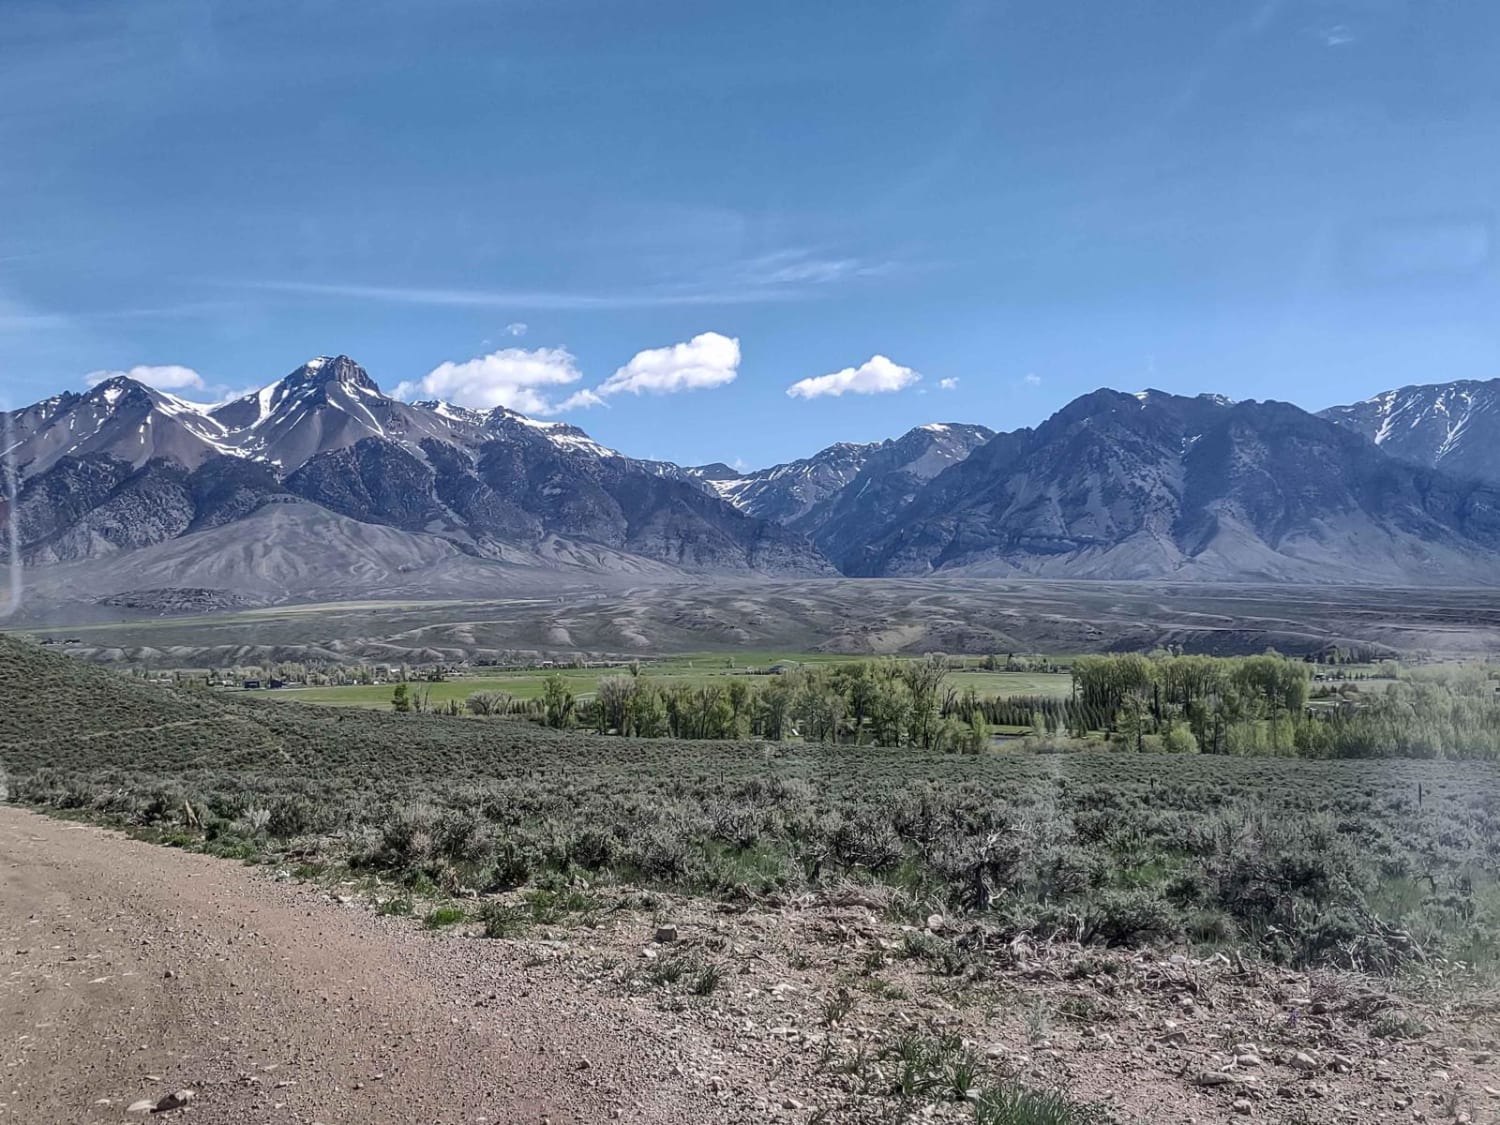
x=329 y=369
x=113 y=390
x=451 y=411
x=716 y=471
x=502 y=420
x=312 y=382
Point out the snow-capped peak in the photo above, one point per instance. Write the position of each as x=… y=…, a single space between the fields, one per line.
x=1453 y=426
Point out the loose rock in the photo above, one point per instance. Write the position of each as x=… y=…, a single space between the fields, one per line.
x=175 y=1100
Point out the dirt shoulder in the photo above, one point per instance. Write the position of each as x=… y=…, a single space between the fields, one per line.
x=128 y=971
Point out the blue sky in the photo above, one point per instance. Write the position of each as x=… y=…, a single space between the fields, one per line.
x=662 y=216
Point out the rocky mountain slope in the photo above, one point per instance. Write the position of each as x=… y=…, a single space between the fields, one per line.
x=320 y=485
x=124 y=467
x=1450 y=426
x=1152 y=484
x=835 y=495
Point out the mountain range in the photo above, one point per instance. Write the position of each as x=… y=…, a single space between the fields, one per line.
x=319 y=485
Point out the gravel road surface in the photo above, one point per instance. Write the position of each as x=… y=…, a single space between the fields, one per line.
x=129 y=971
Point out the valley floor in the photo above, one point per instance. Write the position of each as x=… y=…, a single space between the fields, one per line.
x=859 y=617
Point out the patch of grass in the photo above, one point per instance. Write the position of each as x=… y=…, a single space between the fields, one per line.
x=707 y=979
x=921 y=1065
x=504 y=921
x=562 y=907
x=1038 y=1020
x=1397 y=1025
x=880 y=988
x=836 y=1007
x=1015 y=1105
x=962 y=1071
x=400 y=906
x=441 y=916
x=667 y=970
x=1085 y=1010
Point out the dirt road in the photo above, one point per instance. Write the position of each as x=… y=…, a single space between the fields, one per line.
x=128 y=971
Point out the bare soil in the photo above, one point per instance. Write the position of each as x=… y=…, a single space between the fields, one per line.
x=128 y=971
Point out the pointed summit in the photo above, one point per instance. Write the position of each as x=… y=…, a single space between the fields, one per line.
x=324 y=370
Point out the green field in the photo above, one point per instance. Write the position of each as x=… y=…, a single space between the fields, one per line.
x=696 y=669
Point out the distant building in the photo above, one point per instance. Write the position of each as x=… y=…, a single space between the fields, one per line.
x=251 y=685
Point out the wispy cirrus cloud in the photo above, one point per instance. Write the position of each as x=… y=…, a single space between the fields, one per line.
x=546 y=300
x=806 y=267
x=783 y=275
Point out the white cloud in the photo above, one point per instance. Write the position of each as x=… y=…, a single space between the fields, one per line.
x=516 y=378
x=516 y=329
x=950 y=384
x=167 y=377
x=1033 y=380
x=707 y=360
x=579 y=400
x=1339 y=35
x=876 y=376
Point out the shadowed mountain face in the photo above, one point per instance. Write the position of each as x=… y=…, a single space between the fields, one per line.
x=126 y=484
x=1450 y=426
x=836 y=495
x=1134 y=486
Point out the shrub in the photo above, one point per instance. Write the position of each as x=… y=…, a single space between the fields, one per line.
x=440 y=916
x=503 y=921
x=1129 y=918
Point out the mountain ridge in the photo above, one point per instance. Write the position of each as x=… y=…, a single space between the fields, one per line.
x=1451 y=426
x=1113 y=485
x=125 y=467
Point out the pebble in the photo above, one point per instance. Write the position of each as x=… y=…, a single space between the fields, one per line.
x=1214 y=1078
x=1242 y=1105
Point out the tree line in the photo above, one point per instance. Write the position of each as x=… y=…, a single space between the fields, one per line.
x=1163 y=702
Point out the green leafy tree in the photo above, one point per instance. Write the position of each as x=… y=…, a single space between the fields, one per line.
x=558 y=703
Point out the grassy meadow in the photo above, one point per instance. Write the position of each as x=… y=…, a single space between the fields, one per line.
x=695 y=669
